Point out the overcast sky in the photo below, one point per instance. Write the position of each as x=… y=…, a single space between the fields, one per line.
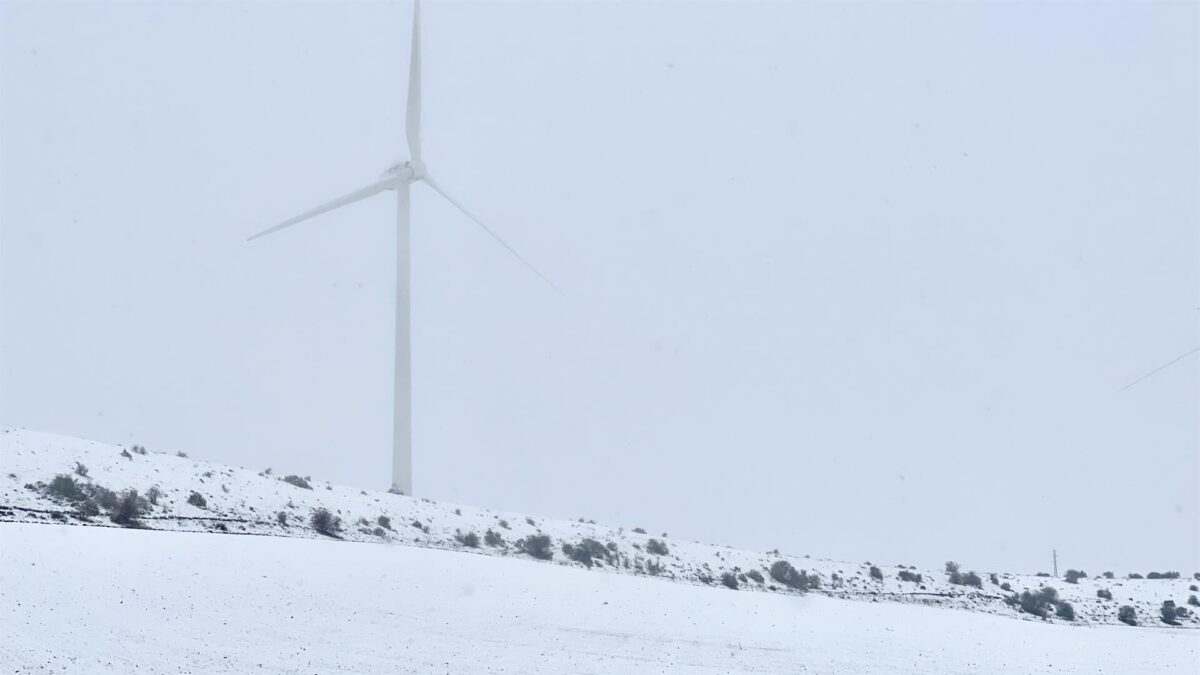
x=858 y=281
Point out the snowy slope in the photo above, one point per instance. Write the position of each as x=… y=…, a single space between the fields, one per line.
x=102 y=600
x=242 y=501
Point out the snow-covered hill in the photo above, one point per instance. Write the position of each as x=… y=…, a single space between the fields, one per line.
x=242 y=501
x=96 y=600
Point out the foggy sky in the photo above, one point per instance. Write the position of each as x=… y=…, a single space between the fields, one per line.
x=857 y=281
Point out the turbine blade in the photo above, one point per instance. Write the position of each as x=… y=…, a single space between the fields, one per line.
x=412 y=122
x=436 y=188
x=357 y=195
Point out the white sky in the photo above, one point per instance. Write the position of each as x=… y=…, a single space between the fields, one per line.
x=861 y=281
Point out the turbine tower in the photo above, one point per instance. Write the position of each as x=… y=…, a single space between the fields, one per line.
x=399 y=177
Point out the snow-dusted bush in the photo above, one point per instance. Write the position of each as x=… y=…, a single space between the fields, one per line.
x=783 y=572
x=1127 y=615
x=326 y=523
x=905 y=575
x=1163 y=575
x=587 y=551
x=127 y=509
x=470 y=539
x=1039 y=602
x=1104 y=593
x=536 y=546
x=1073 y=576
x=959 y=579
x=80 y=469
x=756 y=575
x=297 y=481
x=491 y=538
x=64 y=487
x=1168 y=613
x=876 y=573
x=1193 y=601
x=1065 y=610
x=1135 y=575
x=384 y=522
x=196 y=499
x=282 y=518
x=729 y=580
x=153 y=494
x=656 y=547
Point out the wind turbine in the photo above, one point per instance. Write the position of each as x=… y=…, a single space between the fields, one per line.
x=398 y=178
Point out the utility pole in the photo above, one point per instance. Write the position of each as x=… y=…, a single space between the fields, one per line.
x=1056 y=562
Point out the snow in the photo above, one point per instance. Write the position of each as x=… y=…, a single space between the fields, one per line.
x=87 y=596
x=101 y=600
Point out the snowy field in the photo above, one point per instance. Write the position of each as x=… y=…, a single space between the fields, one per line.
x=105 y=600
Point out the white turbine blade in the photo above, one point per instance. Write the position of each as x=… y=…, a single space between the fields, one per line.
x=355 y=196
x=412 y=122
x=429 y=181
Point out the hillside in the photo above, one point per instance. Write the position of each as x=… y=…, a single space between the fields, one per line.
x=100 y=600
x=244 y=501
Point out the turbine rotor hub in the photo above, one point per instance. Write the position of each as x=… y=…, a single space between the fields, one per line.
x=411 y=171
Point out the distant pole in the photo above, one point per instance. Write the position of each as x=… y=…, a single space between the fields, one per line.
x=1056 y=562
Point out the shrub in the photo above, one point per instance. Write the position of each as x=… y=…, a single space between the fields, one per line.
x=492 y=539
x=1194 y=587
x=282 y=518
x=1193 y=601
x=1073 y=576
x=783 y=572
x=197 y=500
x=181 y=454
x=971 y=579
x=138 y=450
x=470 y=539
x=530 y=522
x=1168 y=613
x=1006 y=586
x=153 y=494
x=587 y=551
x=1108 y=575
x=876 y=573
x=126 y=455
x=417 y=524
x=297 y=481
x=80 y=469
x=905 y=575
x=1104 y=593
x=1163 y=575
x=729 y=580
x=639 y=530
x=537 y=546
x=1038 y=603
x=326 y=523
x=653 y=568
x=504 y=524
x=756 y=576
x=384 y=522
x=127 y=509
x=87 y=508
x=656 y=547
x=1065 y=611
x=994 y=579
x=1043 y=574
x=458 y=512
x=379 y=532
x=64 y=486
x=1135 y=575
x=1127 y=615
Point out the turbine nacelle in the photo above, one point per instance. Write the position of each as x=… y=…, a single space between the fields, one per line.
x=409 y=172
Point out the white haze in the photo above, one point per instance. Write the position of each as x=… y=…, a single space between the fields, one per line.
x=863 y=281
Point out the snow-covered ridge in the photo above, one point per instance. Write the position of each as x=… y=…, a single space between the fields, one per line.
x=242 y=501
